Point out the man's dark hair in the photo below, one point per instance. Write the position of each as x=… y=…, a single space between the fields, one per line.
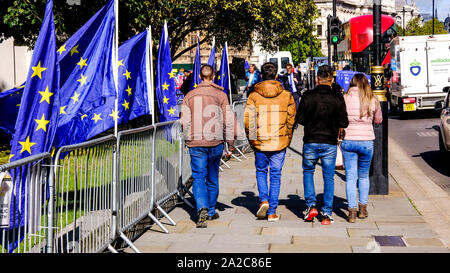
x=269 y=71
x=325 y=72
x=207 y=72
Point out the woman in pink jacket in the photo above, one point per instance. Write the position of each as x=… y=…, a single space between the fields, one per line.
x=363 y=108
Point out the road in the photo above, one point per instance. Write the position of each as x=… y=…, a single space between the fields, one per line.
x=418 y=136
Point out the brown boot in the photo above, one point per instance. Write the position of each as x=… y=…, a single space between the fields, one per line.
x=351 y=215
x=362 y=211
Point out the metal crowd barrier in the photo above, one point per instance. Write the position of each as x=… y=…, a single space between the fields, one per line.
x=25 y=186
x=82 y=212
x=241 y=141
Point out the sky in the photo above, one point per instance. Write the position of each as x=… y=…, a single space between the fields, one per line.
x=442 y=6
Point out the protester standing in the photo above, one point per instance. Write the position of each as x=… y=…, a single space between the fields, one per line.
x=322 y=112
x=269 y=119
x=253 y=76
x=363 y=108
x=207 y=121
x=292 y=81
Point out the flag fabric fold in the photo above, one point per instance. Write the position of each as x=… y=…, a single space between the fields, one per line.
x=212 y=55
x=222 y=78
x=195 y=80
x=10 y=104
x=165 y=80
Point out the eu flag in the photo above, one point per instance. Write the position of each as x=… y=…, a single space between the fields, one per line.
x=10 y=104
x=35 y=124
x=212 y=55
x=87 y=78
x=223 y=77
x=165 y=80
x=195 y=80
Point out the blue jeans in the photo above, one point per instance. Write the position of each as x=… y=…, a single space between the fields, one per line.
x=357 y=160
x=311 y=154
x=274 y=161
x=205 y=162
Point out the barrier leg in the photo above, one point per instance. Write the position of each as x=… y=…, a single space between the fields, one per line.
x=129 y=243
x=166 y=215
x=238 y=159
x=185 y=200
x=157 y=222
x=112 y=249
x=237 y=149
x=224 y=163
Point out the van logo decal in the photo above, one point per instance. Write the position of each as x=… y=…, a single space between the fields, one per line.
x=415 y=68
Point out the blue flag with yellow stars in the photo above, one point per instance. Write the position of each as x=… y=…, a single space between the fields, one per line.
x=222 y=77
x=35 y=124
x=10 y=105
x=195 y=80
x=212 y=56
x=165 y=80
x=87 y=81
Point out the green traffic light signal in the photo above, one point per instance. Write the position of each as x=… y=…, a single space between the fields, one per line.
x=335 y=39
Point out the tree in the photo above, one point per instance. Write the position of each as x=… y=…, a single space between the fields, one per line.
x=270 y=23
x=414 y=28
x=305 y=49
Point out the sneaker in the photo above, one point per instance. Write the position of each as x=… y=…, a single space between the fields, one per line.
x=310 y=213
x=327 y=219
x=262 y=211
x=202 y=216
x=214 y=217
x=273 y=218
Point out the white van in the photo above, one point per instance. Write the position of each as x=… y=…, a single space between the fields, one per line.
x=281 y=58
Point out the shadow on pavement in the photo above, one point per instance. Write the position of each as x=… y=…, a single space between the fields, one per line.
x=249 y=201
x=435 y=160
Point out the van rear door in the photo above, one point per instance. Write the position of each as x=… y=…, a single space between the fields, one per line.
x=413 y=61
x=438 y=65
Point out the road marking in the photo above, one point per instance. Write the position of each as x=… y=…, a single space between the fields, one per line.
x=427 y=134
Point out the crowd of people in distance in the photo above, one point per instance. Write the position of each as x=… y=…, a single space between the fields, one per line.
x=276 y=103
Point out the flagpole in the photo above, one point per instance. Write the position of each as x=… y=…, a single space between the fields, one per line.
x=229 y=75
x=149 y=74
x=115 y=64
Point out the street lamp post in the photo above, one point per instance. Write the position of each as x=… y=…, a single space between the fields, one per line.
x=403 y=20
x=379 y=180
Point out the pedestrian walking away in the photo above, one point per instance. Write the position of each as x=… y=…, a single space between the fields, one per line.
x=205 y=135
x=269 y=119
x=363 y=108
x=322 y=112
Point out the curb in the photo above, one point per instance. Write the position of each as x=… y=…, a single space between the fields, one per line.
x=428 y=198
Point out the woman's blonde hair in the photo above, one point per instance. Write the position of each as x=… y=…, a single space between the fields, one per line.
x=366 y=96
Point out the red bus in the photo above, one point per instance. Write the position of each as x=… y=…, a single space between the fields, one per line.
x=356 y=47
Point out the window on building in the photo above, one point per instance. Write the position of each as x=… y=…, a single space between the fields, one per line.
x=319 y=30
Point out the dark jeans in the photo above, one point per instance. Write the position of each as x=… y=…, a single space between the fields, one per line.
x=205 y=162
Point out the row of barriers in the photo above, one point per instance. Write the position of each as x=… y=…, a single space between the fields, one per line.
x=92 y=193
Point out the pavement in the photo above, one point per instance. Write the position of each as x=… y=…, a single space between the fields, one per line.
x=413 y=217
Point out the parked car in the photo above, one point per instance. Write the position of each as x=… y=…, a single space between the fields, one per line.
x=444 y=126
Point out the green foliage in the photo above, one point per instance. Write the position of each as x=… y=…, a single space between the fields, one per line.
x=305 y=49
x=271 y=23
x=414 y=28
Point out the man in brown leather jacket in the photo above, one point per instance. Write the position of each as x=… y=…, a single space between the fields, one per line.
x=269 y=120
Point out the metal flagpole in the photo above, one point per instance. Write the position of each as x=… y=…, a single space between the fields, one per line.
x=229 y=75
x=149 y=73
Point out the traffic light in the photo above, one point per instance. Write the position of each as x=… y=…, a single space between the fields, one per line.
x=335 y=30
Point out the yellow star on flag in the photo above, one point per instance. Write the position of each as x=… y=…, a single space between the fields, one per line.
x=82 y=62
x=74 y=50
x=53 y=151
x=45 y=95
x=165 y=100
x=128 y=90
x=82 y=79
x=195 y=85
x=114 y=115
x=18 y=105
x=165 y=86
x=26 y=145
x=62 y=110
x=127 y=74
x=62 y=49
x=37 y=70
x=97 y=117
x=120 y=63
x=171 y=111
x=83 y=116
x=42 y=123
x=11 y=156
x=171 y=75
x=75 y=97
x=126 y=105
x=218 y=77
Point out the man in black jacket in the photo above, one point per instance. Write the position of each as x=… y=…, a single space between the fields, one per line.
x=322 y=112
